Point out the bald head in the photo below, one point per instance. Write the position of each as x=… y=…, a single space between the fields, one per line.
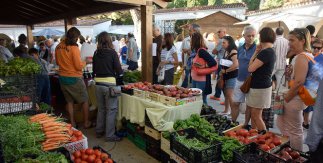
x=48 y=43
x=222 y=32
x=156 y=31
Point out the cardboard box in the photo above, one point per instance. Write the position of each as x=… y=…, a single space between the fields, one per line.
x=152 y=133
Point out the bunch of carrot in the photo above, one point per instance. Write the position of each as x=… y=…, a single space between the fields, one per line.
x=56 y=132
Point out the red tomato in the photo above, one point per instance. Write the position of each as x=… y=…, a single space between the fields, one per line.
x=73 y=139
x=77 y=154
x=104 y=156
x=89 y=151
x=253 y=133
x=261 y=141
x=268 y=141
x=265 y=147
x=77 y=133
x=82 y=151
x=78 y=160
x=231 y=133
x=91 y=158
x=97 y=153
x=246 y=141
x=242 y=132
x=295 y=154
x=98 y=160
x=72 y=158
x=241 y=138
x=110 y=160
x=272 y=145
x=84 y=157
x=79 y=138
x=84 y=162
x=277 y=141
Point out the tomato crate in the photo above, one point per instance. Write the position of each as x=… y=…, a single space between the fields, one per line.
x=152 y=133
x=153 y=147
x=297 y=156
x=249 y=154
x=138 y=139
x=76 y=146
x=17 y=93
x=191 y=155
x=139 y=93
x=103 y=151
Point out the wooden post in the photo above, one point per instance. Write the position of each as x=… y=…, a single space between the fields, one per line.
x=146 y=41
x=30 y=39
x=68 y=23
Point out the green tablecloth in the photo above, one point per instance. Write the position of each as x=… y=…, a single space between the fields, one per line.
x=161 y=116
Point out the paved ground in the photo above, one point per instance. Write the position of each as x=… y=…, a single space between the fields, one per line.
x=126 y=152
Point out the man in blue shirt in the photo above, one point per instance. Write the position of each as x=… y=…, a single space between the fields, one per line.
x=245 y=52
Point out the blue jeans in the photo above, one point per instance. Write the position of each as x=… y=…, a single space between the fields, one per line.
x=200 y=85
x=43 y=89
x=217 y=93
x=187 y=76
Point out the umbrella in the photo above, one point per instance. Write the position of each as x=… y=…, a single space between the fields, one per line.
x=49 y=32
x=119 y=31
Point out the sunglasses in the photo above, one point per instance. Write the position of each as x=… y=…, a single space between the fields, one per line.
x=315 y=47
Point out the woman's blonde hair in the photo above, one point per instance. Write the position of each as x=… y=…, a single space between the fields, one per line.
x=303 y=34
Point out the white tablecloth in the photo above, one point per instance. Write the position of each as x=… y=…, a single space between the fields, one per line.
x=161 y=116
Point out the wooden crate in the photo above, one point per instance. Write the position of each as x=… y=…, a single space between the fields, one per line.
x=176 y=102
x=139 y=93
x=165 y=145
x=152 y=96
x=152 y=133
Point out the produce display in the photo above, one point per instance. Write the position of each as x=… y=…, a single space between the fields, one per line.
x=19 y=66
x=19 y=138
x=56 y=132
x=131 y=76
x=290 y=155
x=207 y=130
x=244 y=136
x=191 y=143
x=90 y=155
x=268 y=141
x=170 y=91
x=48 y=157
x=220 y=123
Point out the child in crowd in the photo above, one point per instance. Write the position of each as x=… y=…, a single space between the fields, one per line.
x=43 y=83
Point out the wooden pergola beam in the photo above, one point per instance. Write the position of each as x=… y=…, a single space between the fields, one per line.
x=146 y=41
x=30 y=38
x=160 y=3
x=130 y=2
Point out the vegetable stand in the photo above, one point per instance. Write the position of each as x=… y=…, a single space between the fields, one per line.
x=162 y=117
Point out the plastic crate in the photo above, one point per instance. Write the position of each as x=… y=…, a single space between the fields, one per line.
x=304 y=158
x=153 y=147
x=76 y=146
x=103 y=151
x=18 y=93
x=220 y=123
x=248 y=154
x=137 y=139
x=210 y=154
x=164 y=157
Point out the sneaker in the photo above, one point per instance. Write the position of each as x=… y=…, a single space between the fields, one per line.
x=215 y=98
x=113 y=139
x=306 y=126
x=222 y=103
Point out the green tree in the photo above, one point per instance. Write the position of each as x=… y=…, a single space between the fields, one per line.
x=271 y=4
x=193 y=3
x=121 y=18
x=252 y=4
x=177 y=4
x=211 y=2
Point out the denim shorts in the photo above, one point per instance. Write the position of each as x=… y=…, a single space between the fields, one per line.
x=230 y=83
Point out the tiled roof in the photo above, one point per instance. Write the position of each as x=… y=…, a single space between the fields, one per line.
x=309 y=2
x=232 y=5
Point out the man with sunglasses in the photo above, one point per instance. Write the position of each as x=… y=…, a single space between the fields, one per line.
x=317 y=47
